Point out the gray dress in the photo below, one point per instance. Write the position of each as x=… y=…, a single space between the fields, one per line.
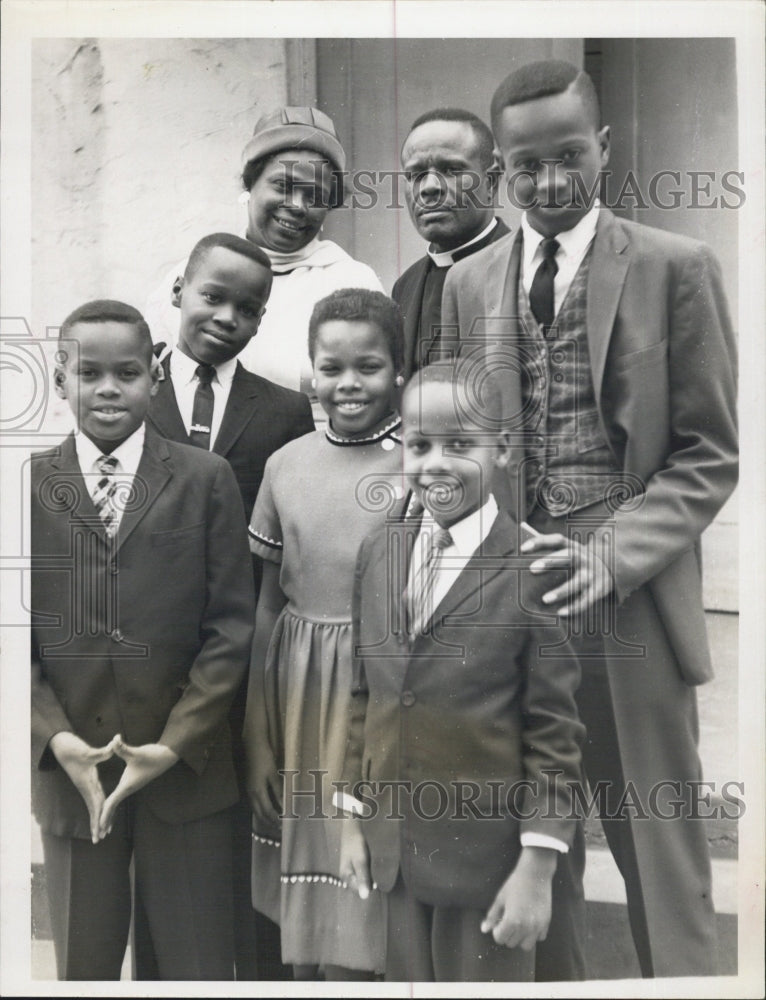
x=321 y=494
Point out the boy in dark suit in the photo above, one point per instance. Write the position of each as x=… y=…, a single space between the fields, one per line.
x=463 y=705
x=618 y=368
x=221 y=297
x=451 y=175
x=142 y=615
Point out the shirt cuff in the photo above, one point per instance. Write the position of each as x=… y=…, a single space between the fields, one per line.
x=347 y=803
x=530 y=839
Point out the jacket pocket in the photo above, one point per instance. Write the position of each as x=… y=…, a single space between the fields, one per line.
x=644 y=358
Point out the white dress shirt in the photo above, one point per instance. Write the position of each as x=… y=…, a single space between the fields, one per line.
x=573 y=245
x=128 y=455
x=182 y=375
x=467 y=536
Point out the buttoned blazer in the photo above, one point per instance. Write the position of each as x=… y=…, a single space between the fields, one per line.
x=487 y=696
x=408 y=293
x=147 y=635
x=663 y=362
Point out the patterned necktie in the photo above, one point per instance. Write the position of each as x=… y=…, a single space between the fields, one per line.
x=202 y=412
x=419 y=601
x=103 y=495
x=541 y=299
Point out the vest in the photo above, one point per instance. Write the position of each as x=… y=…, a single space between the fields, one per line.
x=569 y=464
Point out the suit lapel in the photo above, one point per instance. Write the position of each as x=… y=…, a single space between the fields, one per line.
x=608 y=269
x=504 y=329
x=79 y=504
x=412 y=311
x=239 y=410
x=164 y=414
x=474 y=575
x=154 y=471
x=500 y=292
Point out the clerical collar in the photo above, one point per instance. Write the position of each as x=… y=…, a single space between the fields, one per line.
x=446 y=258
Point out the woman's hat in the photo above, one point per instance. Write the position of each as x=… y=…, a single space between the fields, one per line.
x=295 y=128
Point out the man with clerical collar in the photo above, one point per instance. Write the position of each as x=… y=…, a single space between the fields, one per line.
x=451 y=174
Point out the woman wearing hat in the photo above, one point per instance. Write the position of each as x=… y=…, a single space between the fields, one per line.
x=292 y=173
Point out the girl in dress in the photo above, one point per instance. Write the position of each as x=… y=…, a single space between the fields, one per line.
x=321 y=494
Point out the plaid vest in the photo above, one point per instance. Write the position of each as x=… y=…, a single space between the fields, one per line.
x=569 y=464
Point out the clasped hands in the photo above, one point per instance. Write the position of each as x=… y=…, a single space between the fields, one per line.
x=80 y=761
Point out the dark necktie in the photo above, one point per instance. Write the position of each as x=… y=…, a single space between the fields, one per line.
x=202 y=412
x=541 y=300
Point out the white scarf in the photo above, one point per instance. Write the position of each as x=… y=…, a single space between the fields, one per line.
x=316 y=253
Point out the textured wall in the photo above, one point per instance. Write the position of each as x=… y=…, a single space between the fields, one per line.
x=135 y=155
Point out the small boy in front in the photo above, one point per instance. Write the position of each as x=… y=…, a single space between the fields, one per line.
x=464 y=700
x=142 y=618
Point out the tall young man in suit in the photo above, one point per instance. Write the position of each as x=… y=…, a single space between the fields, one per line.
x=451 y=177
x=618 y=363
x=207 y=398
x=142 y=615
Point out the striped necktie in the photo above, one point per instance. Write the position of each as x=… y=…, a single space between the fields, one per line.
x=103 y=495
x=419 y=601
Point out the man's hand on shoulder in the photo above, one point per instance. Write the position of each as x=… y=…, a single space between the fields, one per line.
x=589 y=579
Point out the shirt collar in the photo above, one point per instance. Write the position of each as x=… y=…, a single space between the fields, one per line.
x=445 y=258
x=185 y=367
x=573 y=242
x=468 y=533
x=128 y=454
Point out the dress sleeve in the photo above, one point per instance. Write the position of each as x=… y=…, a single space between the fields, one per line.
x=265 y=531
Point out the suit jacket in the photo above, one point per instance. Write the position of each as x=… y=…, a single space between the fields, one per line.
x=408 y=293
x=486 y=697
x=259 y=418
x=662 y=357
x=148 y=637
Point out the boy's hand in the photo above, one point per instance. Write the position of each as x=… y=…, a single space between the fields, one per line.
x=355 y=858
x=590 y=579
x=144 y=764
x=264 y=788
x=521 y=912
x=79 y=760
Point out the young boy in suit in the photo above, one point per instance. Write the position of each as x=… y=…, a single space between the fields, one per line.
x=618 y=368
x=142 y=619
x=463 y=703
x=222 y=297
